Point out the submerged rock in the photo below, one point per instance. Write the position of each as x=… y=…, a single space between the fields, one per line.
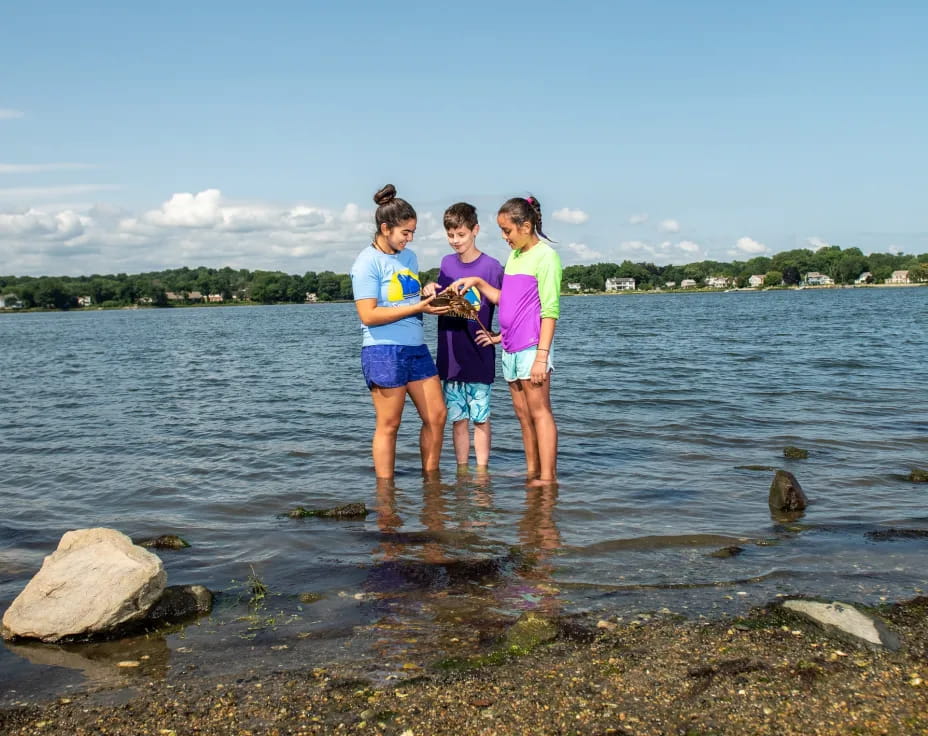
x=786 y=495
x=530 y=631
x=165 y=541
x=727 y=552
x=845 y=621
x=179 y=603
x=96 y=580
x=795 y=453
x=348 y=511
x=918 y=475
x=882 y=535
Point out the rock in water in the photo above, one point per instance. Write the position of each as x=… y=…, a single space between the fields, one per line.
x=918 y=475
x=786 y=493
x=348 y=511
x=180 y=602
x=846 y=621
x=795 y=453
x=165 y=541
x=96 y=580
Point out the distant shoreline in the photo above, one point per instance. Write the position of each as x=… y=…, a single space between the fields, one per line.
x=702 y=290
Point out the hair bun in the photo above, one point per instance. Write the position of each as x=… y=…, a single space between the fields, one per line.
x=385 y=195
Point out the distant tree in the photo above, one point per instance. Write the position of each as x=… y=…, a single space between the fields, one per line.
x=773 y=278
x=791 y=275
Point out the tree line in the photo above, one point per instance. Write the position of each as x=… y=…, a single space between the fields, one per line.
x=276 y=287
x=788 y=267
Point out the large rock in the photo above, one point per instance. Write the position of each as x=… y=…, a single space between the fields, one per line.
x=96 y=580
x=846 y=621
x=786 y=494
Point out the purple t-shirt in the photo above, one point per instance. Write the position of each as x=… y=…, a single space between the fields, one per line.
x=459 y=357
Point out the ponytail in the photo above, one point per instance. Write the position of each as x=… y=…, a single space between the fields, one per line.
x=525 y=209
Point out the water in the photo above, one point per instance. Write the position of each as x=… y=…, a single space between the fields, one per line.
x=210 y=423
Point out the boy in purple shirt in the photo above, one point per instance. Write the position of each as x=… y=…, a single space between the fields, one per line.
x=467 y=369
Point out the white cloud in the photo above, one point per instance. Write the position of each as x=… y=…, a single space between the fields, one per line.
x=689 y=246
x=637 y=219
x=581 y=253
x=40 y=168
x=37 y=224
x=749 y=245
x=895 y=250
x=8 y=114
x=193 y=229
x=574 y=217
x=669 y=226
x=817 y=243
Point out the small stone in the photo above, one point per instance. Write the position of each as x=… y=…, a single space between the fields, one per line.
x=918 y=475
x=603 y=624
x=128 y=663
x=795 y=453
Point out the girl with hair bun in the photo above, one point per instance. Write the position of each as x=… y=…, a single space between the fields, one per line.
x=394 y=357
x=529 y=307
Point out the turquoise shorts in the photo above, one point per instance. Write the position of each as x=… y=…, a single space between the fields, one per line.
x=518 y=366
x=467 y=401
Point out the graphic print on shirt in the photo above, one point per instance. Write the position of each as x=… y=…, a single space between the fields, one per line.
x=403 y=285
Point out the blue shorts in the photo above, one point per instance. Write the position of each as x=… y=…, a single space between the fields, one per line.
x=392 y=366
x=467 y=401
x=519 y=365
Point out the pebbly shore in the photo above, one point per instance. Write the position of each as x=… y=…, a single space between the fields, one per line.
x=767 y=673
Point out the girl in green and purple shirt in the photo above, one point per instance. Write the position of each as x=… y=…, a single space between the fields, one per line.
x=529 y=307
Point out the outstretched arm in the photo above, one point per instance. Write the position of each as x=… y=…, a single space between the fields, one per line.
x=373 y=316
x=490 y=292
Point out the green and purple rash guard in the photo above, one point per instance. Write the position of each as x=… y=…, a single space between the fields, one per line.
x=531 y=291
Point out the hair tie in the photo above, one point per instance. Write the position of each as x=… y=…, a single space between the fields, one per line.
x=529 y=199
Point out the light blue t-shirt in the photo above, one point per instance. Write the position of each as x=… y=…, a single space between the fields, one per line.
x=393 y=280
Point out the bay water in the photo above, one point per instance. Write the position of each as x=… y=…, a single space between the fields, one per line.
x=673 y=411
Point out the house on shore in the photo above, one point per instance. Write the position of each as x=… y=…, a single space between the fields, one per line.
x=620 y=284
x=84 y=301
x=814 y=278
x=718 y=282
x=574 y=285
x=10 y=301
x=688 y=284
x=898 y=277
x=214 y=298
x=756 y=280
x=865 y=278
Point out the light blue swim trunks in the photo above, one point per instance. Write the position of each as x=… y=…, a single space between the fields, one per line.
x=518 y=365
x=467 y=401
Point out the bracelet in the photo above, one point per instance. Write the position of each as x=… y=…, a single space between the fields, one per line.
x=542 y=350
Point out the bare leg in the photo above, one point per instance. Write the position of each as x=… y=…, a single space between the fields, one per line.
x=538 y=402
x=482 y=437
x=523 y=414
x=430 y=403
x=388 y=406
x=460 y=432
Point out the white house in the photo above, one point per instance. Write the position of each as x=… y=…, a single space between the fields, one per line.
x=670 y=284
x=687 y=284
x=718 y=282
x=574 y=285
x=865 y=278
x=756 y=280
x=620 y=284
x=84 y=301
x=898 y=277
x=10 y=301
x=814 y=278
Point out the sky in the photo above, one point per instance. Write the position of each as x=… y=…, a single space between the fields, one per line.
x=138 y=137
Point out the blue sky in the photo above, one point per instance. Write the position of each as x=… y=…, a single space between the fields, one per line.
x=140 y=138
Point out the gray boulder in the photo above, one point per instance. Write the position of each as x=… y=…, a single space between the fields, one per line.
x=846 y=621
x=95 y=581
x=786 y=495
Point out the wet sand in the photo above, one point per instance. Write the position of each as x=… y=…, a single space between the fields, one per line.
x=769 y=673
